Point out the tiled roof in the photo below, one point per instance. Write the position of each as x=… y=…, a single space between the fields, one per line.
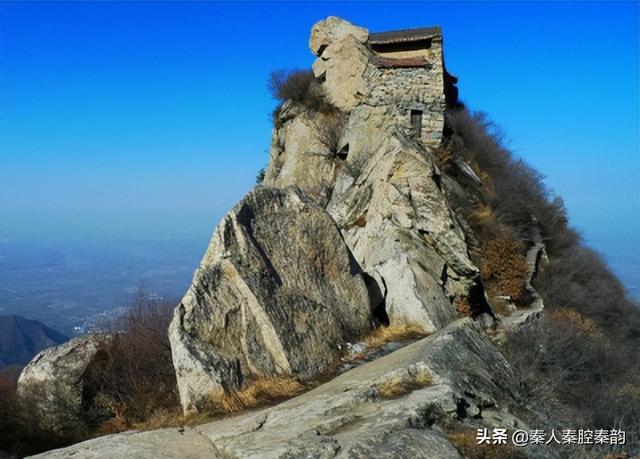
x=404 y=36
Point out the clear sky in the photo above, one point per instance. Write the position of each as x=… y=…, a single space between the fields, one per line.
x=151 y=119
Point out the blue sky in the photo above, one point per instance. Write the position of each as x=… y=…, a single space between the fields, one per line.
x=151 y=119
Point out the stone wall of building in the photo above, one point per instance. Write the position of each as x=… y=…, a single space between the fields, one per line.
x=412 y=88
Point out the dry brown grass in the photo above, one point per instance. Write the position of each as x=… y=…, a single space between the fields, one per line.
x=466 y=443
x=171 y=418
x=576 y=319
x=399 y=332
x=397 y=387
x=504 y=265
x=444 y=158
x=462 y=305
x=484 y=222
x=258 y=392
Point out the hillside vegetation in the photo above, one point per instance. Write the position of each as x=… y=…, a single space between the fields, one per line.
x=580 y=365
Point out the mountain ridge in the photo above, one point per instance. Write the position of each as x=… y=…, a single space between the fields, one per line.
x=21 y=339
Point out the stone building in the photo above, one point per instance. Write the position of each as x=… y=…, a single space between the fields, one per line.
x=402 y=70
x=413 y=77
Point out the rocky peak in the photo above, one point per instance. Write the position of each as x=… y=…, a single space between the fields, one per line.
x=352 y=225
x=380 y=183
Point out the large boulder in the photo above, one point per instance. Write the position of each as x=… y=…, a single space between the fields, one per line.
x=276 y=293
x=325 y=32
x=342 y=68
x=51 y=386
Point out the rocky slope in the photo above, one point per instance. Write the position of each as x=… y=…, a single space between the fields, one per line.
x=398 y=406
x=344 y=236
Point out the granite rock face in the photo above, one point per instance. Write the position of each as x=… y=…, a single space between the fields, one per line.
x=357 y=413
x=184 y=443
x=354 y=218
x=393 y=213
x=51 y=385
x=300 y=153
x=342 y=67
x=277 y=293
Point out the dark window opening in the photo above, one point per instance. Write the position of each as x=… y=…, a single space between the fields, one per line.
x=416 y=121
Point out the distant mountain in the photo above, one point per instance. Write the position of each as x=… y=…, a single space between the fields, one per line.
x=21 y=339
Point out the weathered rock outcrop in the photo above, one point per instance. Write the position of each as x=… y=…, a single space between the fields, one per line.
x=394 y=216
x=276 y=293
x=325 y=32
x=399 y=406
x=381 y=183
x=300 y=154
x=183 y=443
x=342 y=66
x=51 y=386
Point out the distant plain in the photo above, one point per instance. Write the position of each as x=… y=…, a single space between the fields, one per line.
x=75 y=286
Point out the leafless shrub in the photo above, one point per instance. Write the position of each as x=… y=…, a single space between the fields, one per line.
x=514 y=191
x=300 y=86
x=275 y=116
x=330 y=129
x=481 y=139
x=8 y=413
x=132 y=377
x=24 y=431
x=259 y=392
x=260 y=175
x=577 y=278
x=581 y=361
x=572 y=370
